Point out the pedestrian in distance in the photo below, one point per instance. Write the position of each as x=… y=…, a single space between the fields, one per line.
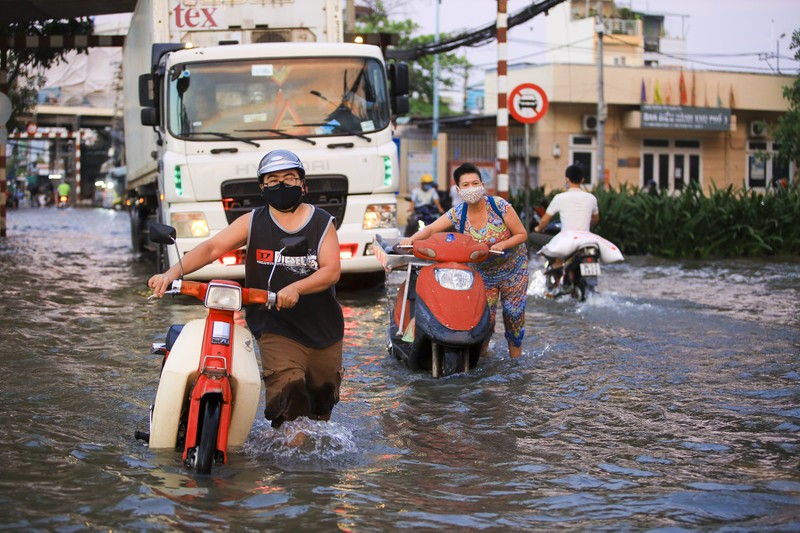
x=300 y=339
x=493 y=221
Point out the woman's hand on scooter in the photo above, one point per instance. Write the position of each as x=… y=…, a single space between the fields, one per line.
x=496 y=249
x=160 y=283
x=287 y=298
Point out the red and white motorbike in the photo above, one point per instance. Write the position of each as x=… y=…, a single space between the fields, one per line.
x=439 y=317
x=210 y=384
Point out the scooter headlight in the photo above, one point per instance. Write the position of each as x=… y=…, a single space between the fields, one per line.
x=454 y=278
x=224 y=297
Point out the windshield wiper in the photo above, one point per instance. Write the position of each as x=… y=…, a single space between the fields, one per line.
x=282 y=134
x=226 y=136
x=336 y=127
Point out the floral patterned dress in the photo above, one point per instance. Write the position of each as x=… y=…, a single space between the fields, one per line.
x=506 y=276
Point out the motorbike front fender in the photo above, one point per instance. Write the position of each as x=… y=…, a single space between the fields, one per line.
x=180 y=373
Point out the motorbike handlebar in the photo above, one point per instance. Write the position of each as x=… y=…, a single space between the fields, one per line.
x=198 y=290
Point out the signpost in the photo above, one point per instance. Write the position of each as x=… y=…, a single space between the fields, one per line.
x=528 y=103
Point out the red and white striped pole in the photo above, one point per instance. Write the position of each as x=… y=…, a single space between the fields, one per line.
x=502 y=100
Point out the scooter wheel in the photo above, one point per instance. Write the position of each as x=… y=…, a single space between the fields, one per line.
x=207 y=443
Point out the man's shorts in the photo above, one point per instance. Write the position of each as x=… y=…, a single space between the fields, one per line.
x=300 y=381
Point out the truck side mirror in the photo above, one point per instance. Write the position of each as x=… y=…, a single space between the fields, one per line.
x=398 y=78
x=146 y=91
x=149 y=116
x=400 y=105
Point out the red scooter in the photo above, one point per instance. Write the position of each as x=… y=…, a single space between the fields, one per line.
x=439 y=318
x=210 y=384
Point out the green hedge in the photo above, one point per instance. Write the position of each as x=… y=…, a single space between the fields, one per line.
x=694 y=224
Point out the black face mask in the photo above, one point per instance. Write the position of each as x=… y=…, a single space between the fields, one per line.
x=284 y=197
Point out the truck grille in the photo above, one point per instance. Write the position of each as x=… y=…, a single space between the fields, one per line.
x=327 y=192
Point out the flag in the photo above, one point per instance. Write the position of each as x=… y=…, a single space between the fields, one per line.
x=682 y=89
x=668 y=99
x=644 y=93
x=731 y=99
x=657 y=99
x=694 y=87
x=719 y=98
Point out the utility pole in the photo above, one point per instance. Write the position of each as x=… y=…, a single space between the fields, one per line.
x=436 y=101
x=502 y=100
x=601 y=105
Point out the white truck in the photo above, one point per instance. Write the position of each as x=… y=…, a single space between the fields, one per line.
x=257 y=76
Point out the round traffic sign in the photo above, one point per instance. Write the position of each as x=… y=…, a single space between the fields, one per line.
x=527 y=103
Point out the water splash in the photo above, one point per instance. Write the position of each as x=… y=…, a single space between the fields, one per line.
x=536 y=284
x=300 y=439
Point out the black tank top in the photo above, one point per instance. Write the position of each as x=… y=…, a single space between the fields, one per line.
x=316 y=321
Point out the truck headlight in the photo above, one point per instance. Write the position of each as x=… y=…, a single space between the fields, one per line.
x=223 y=296
x=379 y=216
x=454 y=278
x=189 y=224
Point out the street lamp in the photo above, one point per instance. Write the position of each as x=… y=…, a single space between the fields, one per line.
x=778 y=52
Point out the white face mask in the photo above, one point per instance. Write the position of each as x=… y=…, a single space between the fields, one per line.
x=472 y=195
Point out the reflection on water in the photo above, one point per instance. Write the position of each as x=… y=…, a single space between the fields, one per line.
x=670 y=401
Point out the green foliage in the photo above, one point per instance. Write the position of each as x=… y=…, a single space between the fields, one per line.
x=787 y=131
x=723 y=223
x=26 y=65
x=452 y=68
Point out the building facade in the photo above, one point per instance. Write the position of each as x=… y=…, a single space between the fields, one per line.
x=661 y=123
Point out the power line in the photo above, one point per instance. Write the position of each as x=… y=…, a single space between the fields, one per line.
x=471 y=38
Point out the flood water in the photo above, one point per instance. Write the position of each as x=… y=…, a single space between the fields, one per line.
x=669 y=402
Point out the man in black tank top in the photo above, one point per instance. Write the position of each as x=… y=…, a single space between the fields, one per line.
x=300 y=339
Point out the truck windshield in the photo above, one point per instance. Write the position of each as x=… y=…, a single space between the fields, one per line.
x=264 y=98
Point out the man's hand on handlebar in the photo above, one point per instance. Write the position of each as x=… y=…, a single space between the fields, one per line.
x=160 y=283
x=287 y=298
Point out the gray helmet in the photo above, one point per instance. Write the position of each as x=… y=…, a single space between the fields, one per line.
x=280 y=160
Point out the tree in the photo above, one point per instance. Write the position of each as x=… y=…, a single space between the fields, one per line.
x=451 y=66
x=26 y=66
x=787 y=132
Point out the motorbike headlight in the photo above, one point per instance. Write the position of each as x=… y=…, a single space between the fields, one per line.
x=189 y=224
x=224 y=297
x=454 y=278
x=379 y=216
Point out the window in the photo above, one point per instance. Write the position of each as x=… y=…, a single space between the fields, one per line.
x=671 y=163
x=582 y=152
x=283 y=97
x=764 y=167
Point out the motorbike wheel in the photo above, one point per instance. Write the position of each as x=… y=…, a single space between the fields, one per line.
x=579 y=292
x=456 y=360
x=203 y=459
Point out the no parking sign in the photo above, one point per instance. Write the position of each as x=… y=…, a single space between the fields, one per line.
x=527 y=103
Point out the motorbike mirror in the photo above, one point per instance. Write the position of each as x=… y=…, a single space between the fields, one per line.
x=162 y=233
x=294 y=246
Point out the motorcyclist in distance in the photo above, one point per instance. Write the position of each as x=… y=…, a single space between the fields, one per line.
x=577 y=208
x=425 y=194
